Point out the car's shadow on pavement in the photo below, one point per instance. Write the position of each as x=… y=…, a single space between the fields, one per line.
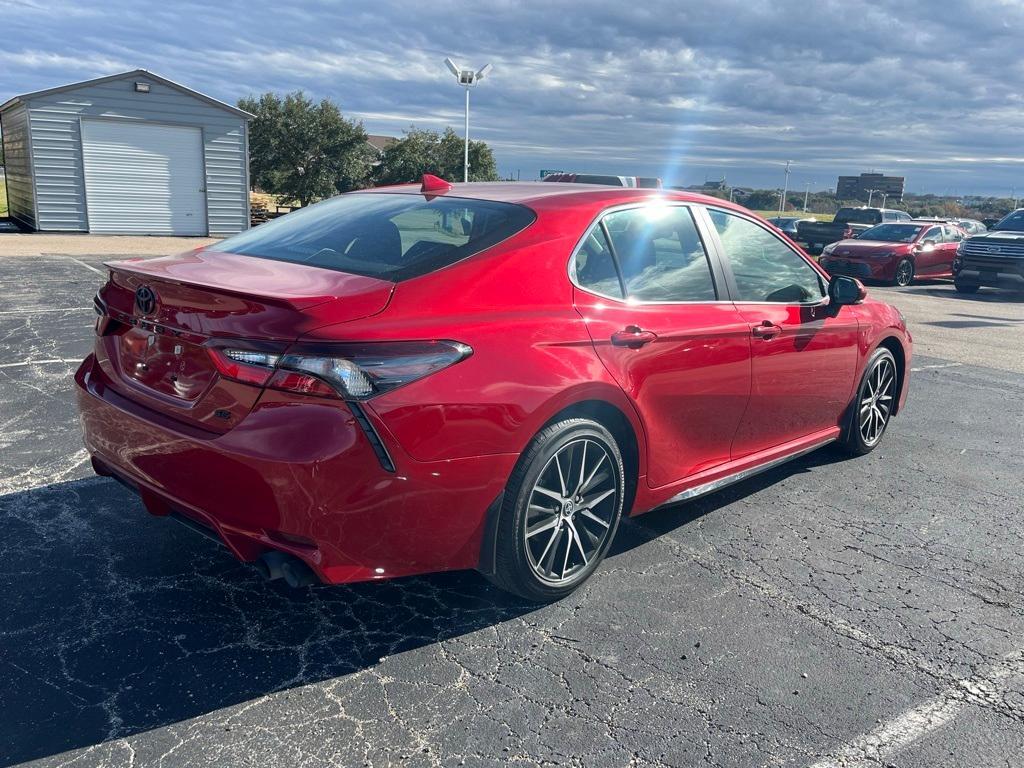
x=115 y=622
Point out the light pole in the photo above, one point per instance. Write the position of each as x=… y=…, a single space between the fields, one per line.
x=785 y=190
x=885 y=196
x=871 y=193
x=467 y=79
x=807 y=193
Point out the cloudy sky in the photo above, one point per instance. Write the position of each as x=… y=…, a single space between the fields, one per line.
x=685 y=90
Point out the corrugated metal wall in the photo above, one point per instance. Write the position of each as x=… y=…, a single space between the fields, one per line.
x=20 y=204
x=57 y=149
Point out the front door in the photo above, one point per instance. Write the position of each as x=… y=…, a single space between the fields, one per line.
x=804 y=356
x=647 y=291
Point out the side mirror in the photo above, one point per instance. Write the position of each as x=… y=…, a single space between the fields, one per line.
x=927 y=246
x=843 y=290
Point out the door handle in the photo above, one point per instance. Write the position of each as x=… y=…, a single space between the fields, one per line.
x=766 y=330
x=633 y=336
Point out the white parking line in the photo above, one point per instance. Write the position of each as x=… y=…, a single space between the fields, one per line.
x=933 y=367
x=874 y=748
x=80 y=263
x=41 y=362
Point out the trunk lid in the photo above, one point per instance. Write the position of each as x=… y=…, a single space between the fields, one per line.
x=161 y=315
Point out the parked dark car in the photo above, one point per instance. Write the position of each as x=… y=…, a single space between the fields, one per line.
x=990 y=222
x=994 y=259
x=848 y=223
x=788 y=224
x=895 y=253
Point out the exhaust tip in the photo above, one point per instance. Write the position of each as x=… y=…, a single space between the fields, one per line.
x=298 y=574
x=271 y=565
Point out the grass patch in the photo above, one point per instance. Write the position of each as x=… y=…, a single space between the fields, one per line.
x=3 y=200
x=798 y=214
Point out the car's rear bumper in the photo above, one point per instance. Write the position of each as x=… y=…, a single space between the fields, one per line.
x=298 y=474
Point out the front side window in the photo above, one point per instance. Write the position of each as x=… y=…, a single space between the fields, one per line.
x=934 y=234
x=389 y=236
x=660 y=254
x=765 y=268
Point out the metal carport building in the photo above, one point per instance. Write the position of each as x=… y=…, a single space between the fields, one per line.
x=132 y=153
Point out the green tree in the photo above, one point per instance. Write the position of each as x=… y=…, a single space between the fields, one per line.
x=441 y=154
x=303 y=150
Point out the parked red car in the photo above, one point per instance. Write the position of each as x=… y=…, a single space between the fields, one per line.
x=486 y=376
x=896 y=253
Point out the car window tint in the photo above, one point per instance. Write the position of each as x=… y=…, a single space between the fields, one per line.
x=661 y=255
x=765 y=268
x=593 y=266
x=953 y=235
x=389 y=236
x=934 y=234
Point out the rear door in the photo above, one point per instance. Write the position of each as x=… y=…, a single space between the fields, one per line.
x=651 y=299
x=803 y=356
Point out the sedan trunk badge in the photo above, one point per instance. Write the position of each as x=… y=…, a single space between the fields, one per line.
x=145 y=299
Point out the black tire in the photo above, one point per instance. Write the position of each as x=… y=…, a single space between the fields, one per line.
x=518 y=566
x=854 y=440
x=965 y=287
x=904 y=273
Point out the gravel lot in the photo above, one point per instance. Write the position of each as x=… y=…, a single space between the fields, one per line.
x=833 y=612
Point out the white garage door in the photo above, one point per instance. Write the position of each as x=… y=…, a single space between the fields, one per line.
x=144 y=179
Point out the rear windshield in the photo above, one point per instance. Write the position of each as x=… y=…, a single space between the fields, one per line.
x=389 y=236
x=891 y=233
x=1012 y=222
x=858 y=216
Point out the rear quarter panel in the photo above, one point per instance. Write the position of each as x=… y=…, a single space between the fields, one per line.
x=532 y=355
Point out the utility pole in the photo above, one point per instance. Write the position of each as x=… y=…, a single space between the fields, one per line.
x=807 y=193
x=785 y=190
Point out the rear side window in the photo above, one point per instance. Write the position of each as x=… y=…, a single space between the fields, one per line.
x=661 y=255
x=594 y=268
x=655 y=252
x=388 y=236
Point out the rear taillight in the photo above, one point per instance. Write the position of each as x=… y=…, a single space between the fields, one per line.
x=348 y=371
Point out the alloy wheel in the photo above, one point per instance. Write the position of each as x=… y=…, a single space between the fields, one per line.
x=571 y=510
x=877 y=400
x=904 y=273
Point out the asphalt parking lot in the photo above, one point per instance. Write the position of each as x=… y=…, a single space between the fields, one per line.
x=832 y=612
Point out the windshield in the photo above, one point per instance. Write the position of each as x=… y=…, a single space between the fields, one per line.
x=857 y=216
x=389 y=236
x=1012 y=222
x=891 y=233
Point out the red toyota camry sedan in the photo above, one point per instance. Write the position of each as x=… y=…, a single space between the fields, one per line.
x=424 y=378
x=896 y=252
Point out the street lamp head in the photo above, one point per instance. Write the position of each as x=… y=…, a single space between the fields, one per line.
x=467 y=77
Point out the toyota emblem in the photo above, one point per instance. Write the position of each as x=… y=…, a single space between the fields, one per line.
x=145 y=299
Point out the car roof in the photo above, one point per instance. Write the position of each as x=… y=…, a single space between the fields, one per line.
x=533 y=193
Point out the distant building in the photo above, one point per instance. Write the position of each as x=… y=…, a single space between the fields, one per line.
x=859 y=187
